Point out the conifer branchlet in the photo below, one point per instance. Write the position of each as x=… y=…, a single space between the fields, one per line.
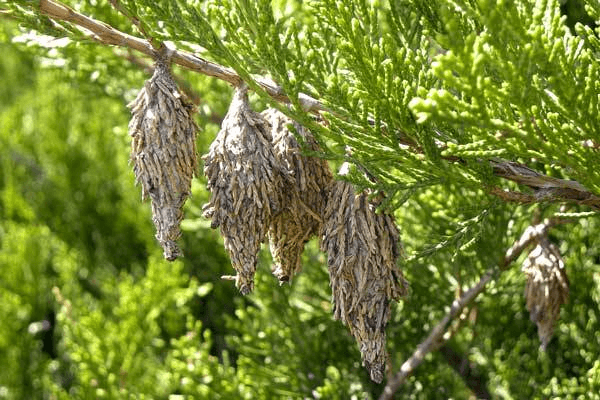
x=547 y=288
x=163 y=151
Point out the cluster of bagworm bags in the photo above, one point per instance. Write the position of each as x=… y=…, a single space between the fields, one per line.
x=263 y=188
x=547 y=288
x=163 y=151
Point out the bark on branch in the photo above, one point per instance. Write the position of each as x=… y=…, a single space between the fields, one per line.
x=102 y=32
x=106 y=34
x=545 y=188
x=436 y=337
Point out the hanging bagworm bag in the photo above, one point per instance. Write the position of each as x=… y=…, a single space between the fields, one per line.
x=163 y=151
x=547 y=288
x=362 y=249
x=306 y=181
x=244 y=178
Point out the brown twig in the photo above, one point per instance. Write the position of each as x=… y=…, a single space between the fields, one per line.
x=437 y=337
x=512 y=196
x=102 y=32
x=106 y=34
x=544 y=188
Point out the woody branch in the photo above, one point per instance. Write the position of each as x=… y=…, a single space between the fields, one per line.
x=106 y=34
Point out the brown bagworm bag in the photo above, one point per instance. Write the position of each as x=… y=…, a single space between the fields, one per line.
x=547 y=288
x=363 y=250
x=163 y=151
x=244 y=177
x=306 y=180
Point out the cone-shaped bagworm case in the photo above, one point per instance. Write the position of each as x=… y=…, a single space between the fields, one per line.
x=547 y=288
x=306 y=180
x=244 y=177
x=362 y=249
x=163 y=151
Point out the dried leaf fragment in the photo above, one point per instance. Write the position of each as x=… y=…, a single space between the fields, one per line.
x=362 y=249
x=245 y=178
x=163 y=151
x=305 y=183
x=547 y=288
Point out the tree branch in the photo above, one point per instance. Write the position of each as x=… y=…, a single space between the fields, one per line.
x=545 y=188
x=106 y=34
x=436 y=337
x=102 y=32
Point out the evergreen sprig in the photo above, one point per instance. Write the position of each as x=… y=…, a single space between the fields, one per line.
x=537 y=101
